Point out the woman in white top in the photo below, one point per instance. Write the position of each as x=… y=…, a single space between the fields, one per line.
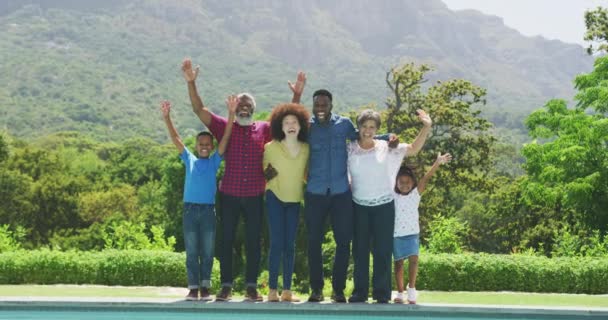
x=407 y=229
x=372 y=166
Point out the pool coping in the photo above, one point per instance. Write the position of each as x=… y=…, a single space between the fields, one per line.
x=244 y=307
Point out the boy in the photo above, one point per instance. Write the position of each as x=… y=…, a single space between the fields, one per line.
x=199 y=201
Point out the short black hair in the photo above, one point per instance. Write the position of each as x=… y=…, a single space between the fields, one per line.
x=204 y=133
x=322 y=92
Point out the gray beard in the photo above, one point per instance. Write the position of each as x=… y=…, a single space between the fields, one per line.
x=244 y=121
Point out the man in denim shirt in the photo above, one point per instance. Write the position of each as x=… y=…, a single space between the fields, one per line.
x=328 y=191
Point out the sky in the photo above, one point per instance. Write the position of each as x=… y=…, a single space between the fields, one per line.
x=553 y=19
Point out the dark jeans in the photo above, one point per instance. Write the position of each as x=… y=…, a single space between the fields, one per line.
x=340 y=209
x=373 y=225
x=252 y=209
x=283 y=223
x=199 y=240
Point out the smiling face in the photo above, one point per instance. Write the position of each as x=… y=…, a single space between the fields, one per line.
x=321 y=108
x=244 y=110
x=204 y=146
x=291 y=126
x=367 y=130
x=405 y=184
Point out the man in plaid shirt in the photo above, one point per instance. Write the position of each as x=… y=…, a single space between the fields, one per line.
x=243 y=185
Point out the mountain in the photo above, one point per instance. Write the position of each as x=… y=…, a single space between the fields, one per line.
x=101 y=67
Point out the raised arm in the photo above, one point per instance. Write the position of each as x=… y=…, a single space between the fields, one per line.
x=424 y=132
x=298 y=87
x=198 y=107
x=441 y=159
x=165 y=108
x=231 y=103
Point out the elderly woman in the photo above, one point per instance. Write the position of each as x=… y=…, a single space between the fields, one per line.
x=371 y=164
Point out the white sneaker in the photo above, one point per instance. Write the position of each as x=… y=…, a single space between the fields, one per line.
x=411 y=295
x=398 y=298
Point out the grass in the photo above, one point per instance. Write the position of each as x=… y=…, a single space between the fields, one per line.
x=439 y=297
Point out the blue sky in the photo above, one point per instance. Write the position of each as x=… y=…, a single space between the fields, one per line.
x=552 y=19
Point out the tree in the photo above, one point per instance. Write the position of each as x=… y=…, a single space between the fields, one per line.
x=567 y=165
x=457 y=128
x=596 y=22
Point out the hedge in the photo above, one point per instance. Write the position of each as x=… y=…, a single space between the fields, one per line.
x=448 y=272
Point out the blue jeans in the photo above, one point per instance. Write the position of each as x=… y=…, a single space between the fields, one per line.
x=282 y=223
x=199 y=240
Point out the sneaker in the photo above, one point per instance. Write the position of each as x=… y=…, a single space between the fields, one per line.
x=355 y=298
x=224 y=295
x=399 y=298
x=205 y=295
x=411 y=295
x=273 y=296
x=382 y=301
x=287 y=296
x=316 y=296
x=338 y=297
x=252 y=295
x=192 y=295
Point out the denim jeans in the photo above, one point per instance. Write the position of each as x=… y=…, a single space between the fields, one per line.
x=340 y=209
x=230 y=211
x=282 y=223
x=373 y=226
x=199 y=240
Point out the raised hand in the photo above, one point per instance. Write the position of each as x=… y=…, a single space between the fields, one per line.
x=424 y=118
x=165 y=108
x=298 y=87
x=232 y=102
x=393 y=141
x=270 y=172
x=443 y=159
x=189 y=73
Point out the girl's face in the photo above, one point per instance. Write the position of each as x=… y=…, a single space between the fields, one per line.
x=405 y=184
x=368 y=129
x=291 y=126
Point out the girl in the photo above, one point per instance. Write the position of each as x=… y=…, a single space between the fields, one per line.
x=406 y=235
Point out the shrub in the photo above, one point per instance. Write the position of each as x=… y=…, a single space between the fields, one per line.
x=449 y=272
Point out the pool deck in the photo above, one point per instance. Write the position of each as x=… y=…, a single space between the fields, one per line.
x=244 y=307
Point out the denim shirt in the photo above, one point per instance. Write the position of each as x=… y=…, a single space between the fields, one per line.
x=327 y=172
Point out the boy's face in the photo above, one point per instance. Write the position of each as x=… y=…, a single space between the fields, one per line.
x=204 y=146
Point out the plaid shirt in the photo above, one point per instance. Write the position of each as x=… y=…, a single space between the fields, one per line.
x=244 y=174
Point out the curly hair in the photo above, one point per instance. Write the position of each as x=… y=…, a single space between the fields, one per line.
x=280 y=112
x=406 y=170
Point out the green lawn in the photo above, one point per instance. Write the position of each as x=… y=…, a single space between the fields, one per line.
x=481 y=298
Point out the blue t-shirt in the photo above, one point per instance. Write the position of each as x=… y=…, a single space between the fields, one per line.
x=199 y=186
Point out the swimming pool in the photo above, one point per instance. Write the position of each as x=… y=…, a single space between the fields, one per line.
x=243 y=310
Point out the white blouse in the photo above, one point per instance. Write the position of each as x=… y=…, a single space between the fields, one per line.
x=372 y=171
x=406 y=213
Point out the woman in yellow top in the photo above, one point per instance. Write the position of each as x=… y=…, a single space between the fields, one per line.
x=285 y=163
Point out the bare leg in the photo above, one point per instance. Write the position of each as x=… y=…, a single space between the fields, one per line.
x=413 y=271
x=399 y=275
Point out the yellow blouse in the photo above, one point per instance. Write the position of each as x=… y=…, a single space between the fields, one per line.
x=288 y=185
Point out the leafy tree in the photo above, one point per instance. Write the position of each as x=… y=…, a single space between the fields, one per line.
x=596 y=22
x=567 y=165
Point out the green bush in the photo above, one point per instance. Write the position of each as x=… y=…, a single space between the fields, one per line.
x=486 y=272
x=449 y=272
